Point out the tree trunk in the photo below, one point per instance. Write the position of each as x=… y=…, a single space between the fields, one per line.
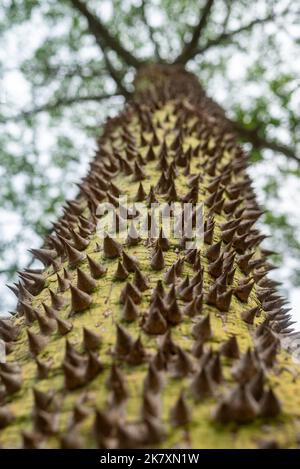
x=127 y=342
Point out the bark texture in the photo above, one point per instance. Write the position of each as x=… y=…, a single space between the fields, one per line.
x=144 y=343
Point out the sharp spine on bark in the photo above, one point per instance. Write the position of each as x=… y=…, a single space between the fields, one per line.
x=160 y=312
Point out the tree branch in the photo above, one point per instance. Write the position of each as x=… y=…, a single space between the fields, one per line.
x=115 y=75
x=252 y=136
x=227 y=37
x=227 y=15
x=151 y=31
x=59 y=103
x=189 y=48
x=102 y=34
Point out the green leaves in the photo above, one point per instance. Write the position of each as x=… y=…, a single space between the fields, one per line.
x=283 y=231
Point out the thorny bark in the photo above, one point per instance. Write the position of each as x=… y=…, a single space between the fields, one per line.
x=165 y=345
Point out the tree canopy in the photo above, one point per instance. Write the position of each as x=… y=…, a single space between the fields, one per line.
x=65 y=66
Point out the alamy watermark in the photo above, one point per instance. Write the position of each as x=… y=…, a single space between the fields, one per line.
x=140 y=220
x=2 y=351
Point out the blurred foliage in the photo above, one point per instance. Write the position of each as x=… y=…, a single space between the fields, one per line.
x=53 y=76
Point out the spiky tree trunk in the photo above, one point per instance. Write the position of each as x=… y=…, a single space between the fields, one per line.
x=146 y=343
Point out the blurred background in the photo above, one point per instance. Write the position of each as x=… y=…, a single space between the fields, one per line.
x=59 y=82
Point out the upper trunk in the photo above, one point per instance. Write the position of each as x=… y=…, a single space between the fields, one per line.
x=188 y=336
